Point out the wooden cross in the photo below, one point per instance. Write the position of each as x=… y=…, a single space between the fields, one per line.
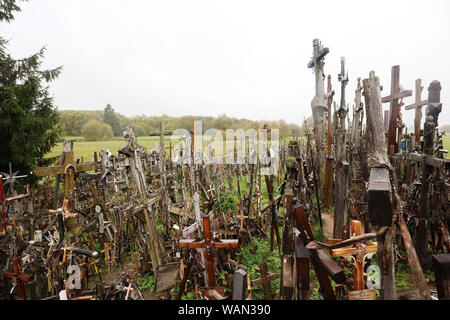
x=418 y=104
x=129 y=288
x=68 y=169
x=19 y=277
x=208 y=244
x=265 y=279
x=394 y=110
x=242 y=218
x=358 y=253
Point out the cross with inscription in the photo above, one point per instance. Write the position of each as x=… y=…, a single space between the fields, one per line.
x=208 y=244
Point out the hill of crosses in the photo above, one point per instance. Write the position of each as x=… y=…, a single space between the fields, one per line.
x=357 y=208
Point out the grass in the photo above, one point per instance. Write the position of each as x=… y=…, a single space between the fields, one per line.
x=446 y=140
x=85 y=149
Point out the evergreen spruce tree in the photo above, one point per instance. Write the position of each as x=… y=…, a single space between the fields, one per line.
x=29 y=122
x=111 y=119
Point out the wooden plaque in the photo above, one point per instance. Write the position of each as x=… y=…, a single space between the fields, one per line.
x=368 y=294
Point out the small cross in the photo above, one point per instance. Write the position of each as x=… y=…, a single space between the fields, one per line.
x=242 y=217
x=129 y=288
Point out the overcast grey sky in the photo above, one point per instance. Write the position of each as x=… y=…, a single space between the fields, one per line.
x=244 y=58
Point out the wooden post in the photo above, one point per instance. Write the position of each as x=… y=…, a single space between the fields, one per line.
x=432 y=113
x=378 y=160
x=328 y=185
x=416 y=270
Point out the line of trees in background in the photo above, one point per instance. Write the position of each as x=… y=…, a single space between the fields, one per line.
x=102 y=125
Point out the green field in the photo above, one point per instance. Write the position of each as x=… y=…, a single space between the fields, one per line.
x=447 y=144
x=86 y=149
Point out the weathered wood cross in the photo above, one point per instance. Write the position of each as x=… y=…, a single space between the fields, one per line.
x=394 y=110
x=68 y=169
x=417 y=105
x=208 y=244
x=357 y=253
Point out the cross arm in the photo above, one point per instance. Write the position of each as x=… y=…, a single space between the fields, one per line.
x=226 y=244
x=350 y=251
x=398 y=95
x=417 y=105
x=190 y=243
x=86 y=166
x=49 y=171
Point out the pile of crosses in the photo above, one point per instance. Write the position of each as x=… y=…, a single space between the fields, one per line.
x=87 y=230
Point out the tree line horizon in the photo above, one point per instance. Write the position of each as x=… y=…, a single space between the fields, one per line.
x=94 y=125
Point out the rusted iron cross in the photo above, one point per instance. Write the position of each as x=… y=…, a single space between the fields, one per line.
x=68 y=169
x=208 y=244
x=394 y=110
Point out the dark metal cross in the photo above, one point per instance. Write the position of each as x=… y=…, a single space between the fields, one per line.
x=394 y=110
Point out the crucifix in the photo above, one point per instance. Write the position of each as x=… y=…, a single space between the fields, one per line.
x=68 y=169
x=417 y=105
x=357 y=253
x=397 y=93
x=319 y=102
x=208 y=244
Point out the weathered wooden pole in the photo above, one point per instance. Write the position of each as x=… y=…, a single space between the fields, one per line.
x=380 y=202
x=429 y=132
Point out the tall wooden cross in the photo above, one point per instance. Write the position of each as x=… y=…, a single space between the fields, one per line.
x=417 y=105
x=394 y=110
x=68 y=169
x=208 y=244
x=358 y=254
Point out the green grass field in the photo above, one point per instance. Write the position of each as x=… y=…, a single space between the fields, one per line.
x=447 y=144
x=86 y=149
